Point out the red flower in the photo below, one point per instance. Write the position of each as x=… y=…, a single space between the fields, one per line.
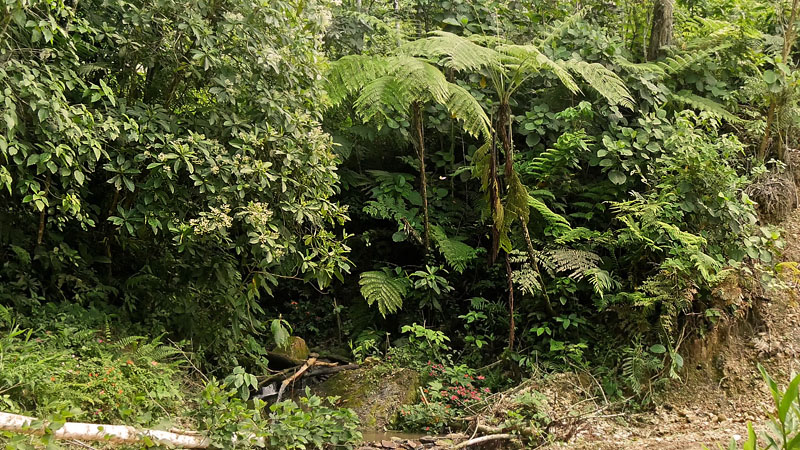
x=481 y=377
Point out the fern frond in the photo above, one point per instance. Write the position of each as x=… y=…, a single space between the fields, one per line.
x=561 y=27
x=129 y=341
x=525 y=59
x=421 y=79
x=604 y=81
x=578 y=262
x=385 y=289
x=382 y=97
x=600 y=280
x=454 y=52
x=672 y=64
x=680 y=62
x=350 y=74
x=464 y=107
x=553 y=219
x=456 y=253
x=706 y=105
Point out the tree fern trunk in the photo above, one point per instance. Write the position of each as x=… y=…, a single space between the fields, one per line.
x=423 y=179
x=504 y=130
x=661 y=33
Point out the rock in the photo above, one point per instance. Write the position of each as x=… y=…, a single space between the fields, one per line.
x=296 y=349
x=389 y=444
x=374 y=391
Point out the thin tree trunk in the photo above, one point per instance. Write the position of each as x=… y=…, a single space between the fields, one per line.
x=494 y=201
x=661 y=33
x=511 y=324
x=423 y=179
x=99 y=432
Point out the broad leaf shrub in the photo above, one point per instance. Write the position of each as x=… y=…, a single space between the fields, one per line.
x=311 y=422
x=166 y=157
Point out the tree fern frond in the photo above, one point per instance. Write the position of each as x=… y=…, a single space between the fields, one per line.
x=382 y=97
x=384 y=288
x=456 y=253
x=639 y=68
x=672 y=64
x=680 y=62
x=604 y=81
x=454 y=52
x=528 y=59
x=553 y=219
x=710 y=32
x=350 y=74
x=705 y=104
x=559 y=28
x=421 y=79
x=600 y=280
x=578 y=262
x=480 y=165
x=464 y=107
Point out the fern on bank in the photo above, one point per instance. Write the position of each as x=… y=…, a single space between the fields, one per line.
x=456 y=253
x=384 y=287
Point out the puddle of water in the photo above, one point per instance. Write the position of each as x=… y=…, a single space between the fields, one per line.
x=380 y=435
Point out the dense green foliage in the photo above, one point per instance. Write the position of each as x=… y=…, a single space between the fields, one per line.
x=444 y=183
x=165 y=157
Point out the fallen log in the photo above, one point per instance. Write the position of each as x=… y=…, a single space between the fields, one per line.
x=100 y=432
x=482 y=439
x=330 y=370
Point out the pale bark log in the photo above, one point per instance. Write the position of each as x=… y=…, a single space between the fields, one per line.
x=100 y=432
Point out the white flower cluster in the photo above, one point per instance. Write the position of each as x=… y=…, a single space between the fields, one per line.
x=217 y=219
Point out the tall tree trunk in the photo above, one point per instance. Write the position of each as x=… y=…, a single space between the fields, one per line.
x=661 y=33
x=423 y=178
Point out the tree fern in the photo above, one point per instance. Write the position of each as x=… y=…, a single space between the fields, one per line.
x=385 y=288
x=465 y=108
x=382 y=97
x=525 y=60
x=605 y=82
x=348 y=75
x=456 y=253
x=422 y=79
x=455 y=52
x=672 y=64
x=578 y=263
x=551 y=218
x=705 y=104
x=561 y=27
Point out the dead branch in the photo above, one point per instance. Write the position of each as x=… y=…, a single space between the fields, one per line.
x=296 y=375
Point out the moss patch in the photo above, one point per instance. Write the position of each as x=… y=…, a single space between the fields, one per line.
x=375 y=392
